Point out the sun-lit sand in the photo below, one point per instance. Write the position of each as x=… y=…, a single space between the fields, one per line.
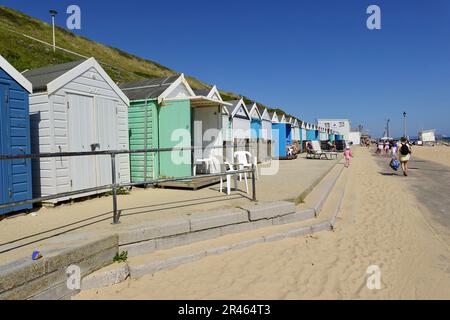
x=380 y=224
x=438 y=154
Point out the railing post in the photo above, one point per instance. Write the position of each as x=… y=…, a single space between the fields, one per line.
x=114 y=189
x=254 y=182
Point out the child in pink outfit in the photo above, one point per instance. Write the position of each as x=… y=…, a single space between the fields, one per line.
x=347 y=155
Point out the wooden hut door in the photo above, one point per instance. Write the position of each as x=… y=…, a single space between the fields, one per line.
x=82 y=139
x=4 y=183
x=106 y=112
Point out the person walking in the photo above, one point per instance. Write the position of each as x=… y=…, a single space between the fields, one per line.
x=347 y=155
x=405 y=154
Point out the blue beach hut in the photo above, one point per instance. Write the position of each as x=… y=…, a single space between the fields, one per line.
x=15 y=175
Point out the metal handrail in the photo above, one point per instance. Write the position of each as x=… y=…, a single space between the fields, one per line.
x=114 y=185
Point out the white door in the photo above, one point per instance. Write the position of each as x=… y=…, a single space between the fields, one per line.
x=81 y=136
x=106 y=138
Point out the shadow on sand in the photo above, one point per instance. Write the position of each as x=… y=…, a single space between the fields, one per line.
x=125 y=212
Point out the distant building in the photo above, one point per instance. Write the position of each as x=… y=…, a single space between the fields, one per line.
x=355 y=137
x=342 y=126
x=427 y=136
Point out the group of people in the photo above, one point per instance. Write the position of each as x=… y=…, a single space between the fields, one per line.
x=401 y=149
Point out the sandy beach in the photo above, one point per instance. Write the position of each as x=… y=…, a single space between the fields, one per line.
x=381 y=223
x=439 y=154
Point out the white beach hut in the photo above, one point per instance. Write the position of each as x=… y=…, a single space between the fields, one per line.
x=241 y=123
x=256 y=127
x=76 y=107
x=211 y=122
x=266 y=135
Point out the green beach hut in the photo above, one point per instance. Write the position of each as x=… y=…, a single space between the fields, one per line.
x=159 y=117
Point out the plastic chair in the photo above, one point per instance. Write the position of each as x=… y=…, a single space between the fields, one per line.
x=230 y=169
x=244 y=160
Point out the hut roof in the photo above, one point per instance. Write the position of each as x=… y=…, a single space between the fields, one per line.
x=41 y=77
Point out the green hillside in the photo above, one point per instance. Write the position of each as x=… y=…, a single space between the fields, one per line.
x=26 y=53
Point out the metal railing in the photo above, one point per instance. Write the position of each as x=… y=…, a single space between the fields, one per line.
x=114 y=186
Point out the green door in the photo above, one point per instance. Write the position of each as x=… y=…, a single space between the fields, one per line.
x=175 y=131
x=143 y=131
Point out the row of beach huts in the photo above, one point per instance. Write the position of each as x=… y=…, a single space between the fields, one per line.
x=77 y=107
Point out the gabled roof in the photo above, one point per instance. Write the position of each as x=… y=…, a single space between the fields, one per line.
x=16 y=75
x=254 y=110
x=236 y=106
x=155 y=88
x=52 y=78
x=202 y=92
x=274 y=117
x=41 y=77
x=206 y=97
x=264 y=114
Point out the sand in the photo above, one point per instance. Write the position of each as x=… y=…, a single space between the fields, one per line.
x=377 y=226
x=438 y=154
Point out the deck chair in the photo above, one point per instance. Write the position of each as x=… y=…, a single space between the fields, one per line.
x=319 y=153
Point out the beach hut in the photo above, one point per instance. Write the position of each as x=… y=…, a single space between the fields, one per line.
x=310 y=132
x=266 y=135
x=295 y=134
x=15 y=175
x=209 y=128
x=241 y=120
x=76 y=107
x=256 y=131
x=281 y=138
x=323 y=135
x=176 y=117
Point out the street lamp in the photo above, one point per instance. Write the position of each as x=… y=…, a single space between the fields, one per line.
x=404 y=124
x=53 y=13
x=387 y=127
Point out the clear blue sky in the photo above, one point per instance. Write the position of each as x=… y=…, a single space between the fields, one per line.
x=315 y=58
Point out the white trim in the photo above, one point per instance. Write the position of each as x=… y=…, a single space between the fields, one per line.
x=275 y=116
x=214 y=91
x=266 y=116
x=16 y=75
x=236 y=109
x=206 y=99
x=70 y=75
x=255 y=107
x=168 y=91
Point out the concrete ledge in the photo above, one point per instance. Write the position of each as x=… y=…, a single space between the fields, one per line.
x=111 y=275
x=218 y=219
x=326 y=192
x=295 y=217
x=153 y=230
x=269 y=210
x=139 y=270
x=46 y=278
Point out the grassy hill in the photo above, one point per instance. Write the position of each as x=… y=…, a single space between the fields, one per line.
x=25 y=53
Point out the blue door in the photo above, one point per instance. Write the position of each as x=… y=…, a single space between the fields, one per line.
x=4 y=178
x=15 y=175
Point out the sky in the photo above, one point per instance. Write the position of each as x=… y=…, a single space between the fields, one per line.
x=312 y=58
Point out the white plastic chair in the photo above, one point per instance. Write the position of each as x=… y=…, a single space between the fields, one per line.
x=230 y=169
x=209 y=162
x=244 y=160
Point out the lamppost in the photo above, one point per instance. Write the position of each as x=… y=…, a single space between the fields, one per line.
x=53 y=13
x=404 y=124
x=387 y=127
